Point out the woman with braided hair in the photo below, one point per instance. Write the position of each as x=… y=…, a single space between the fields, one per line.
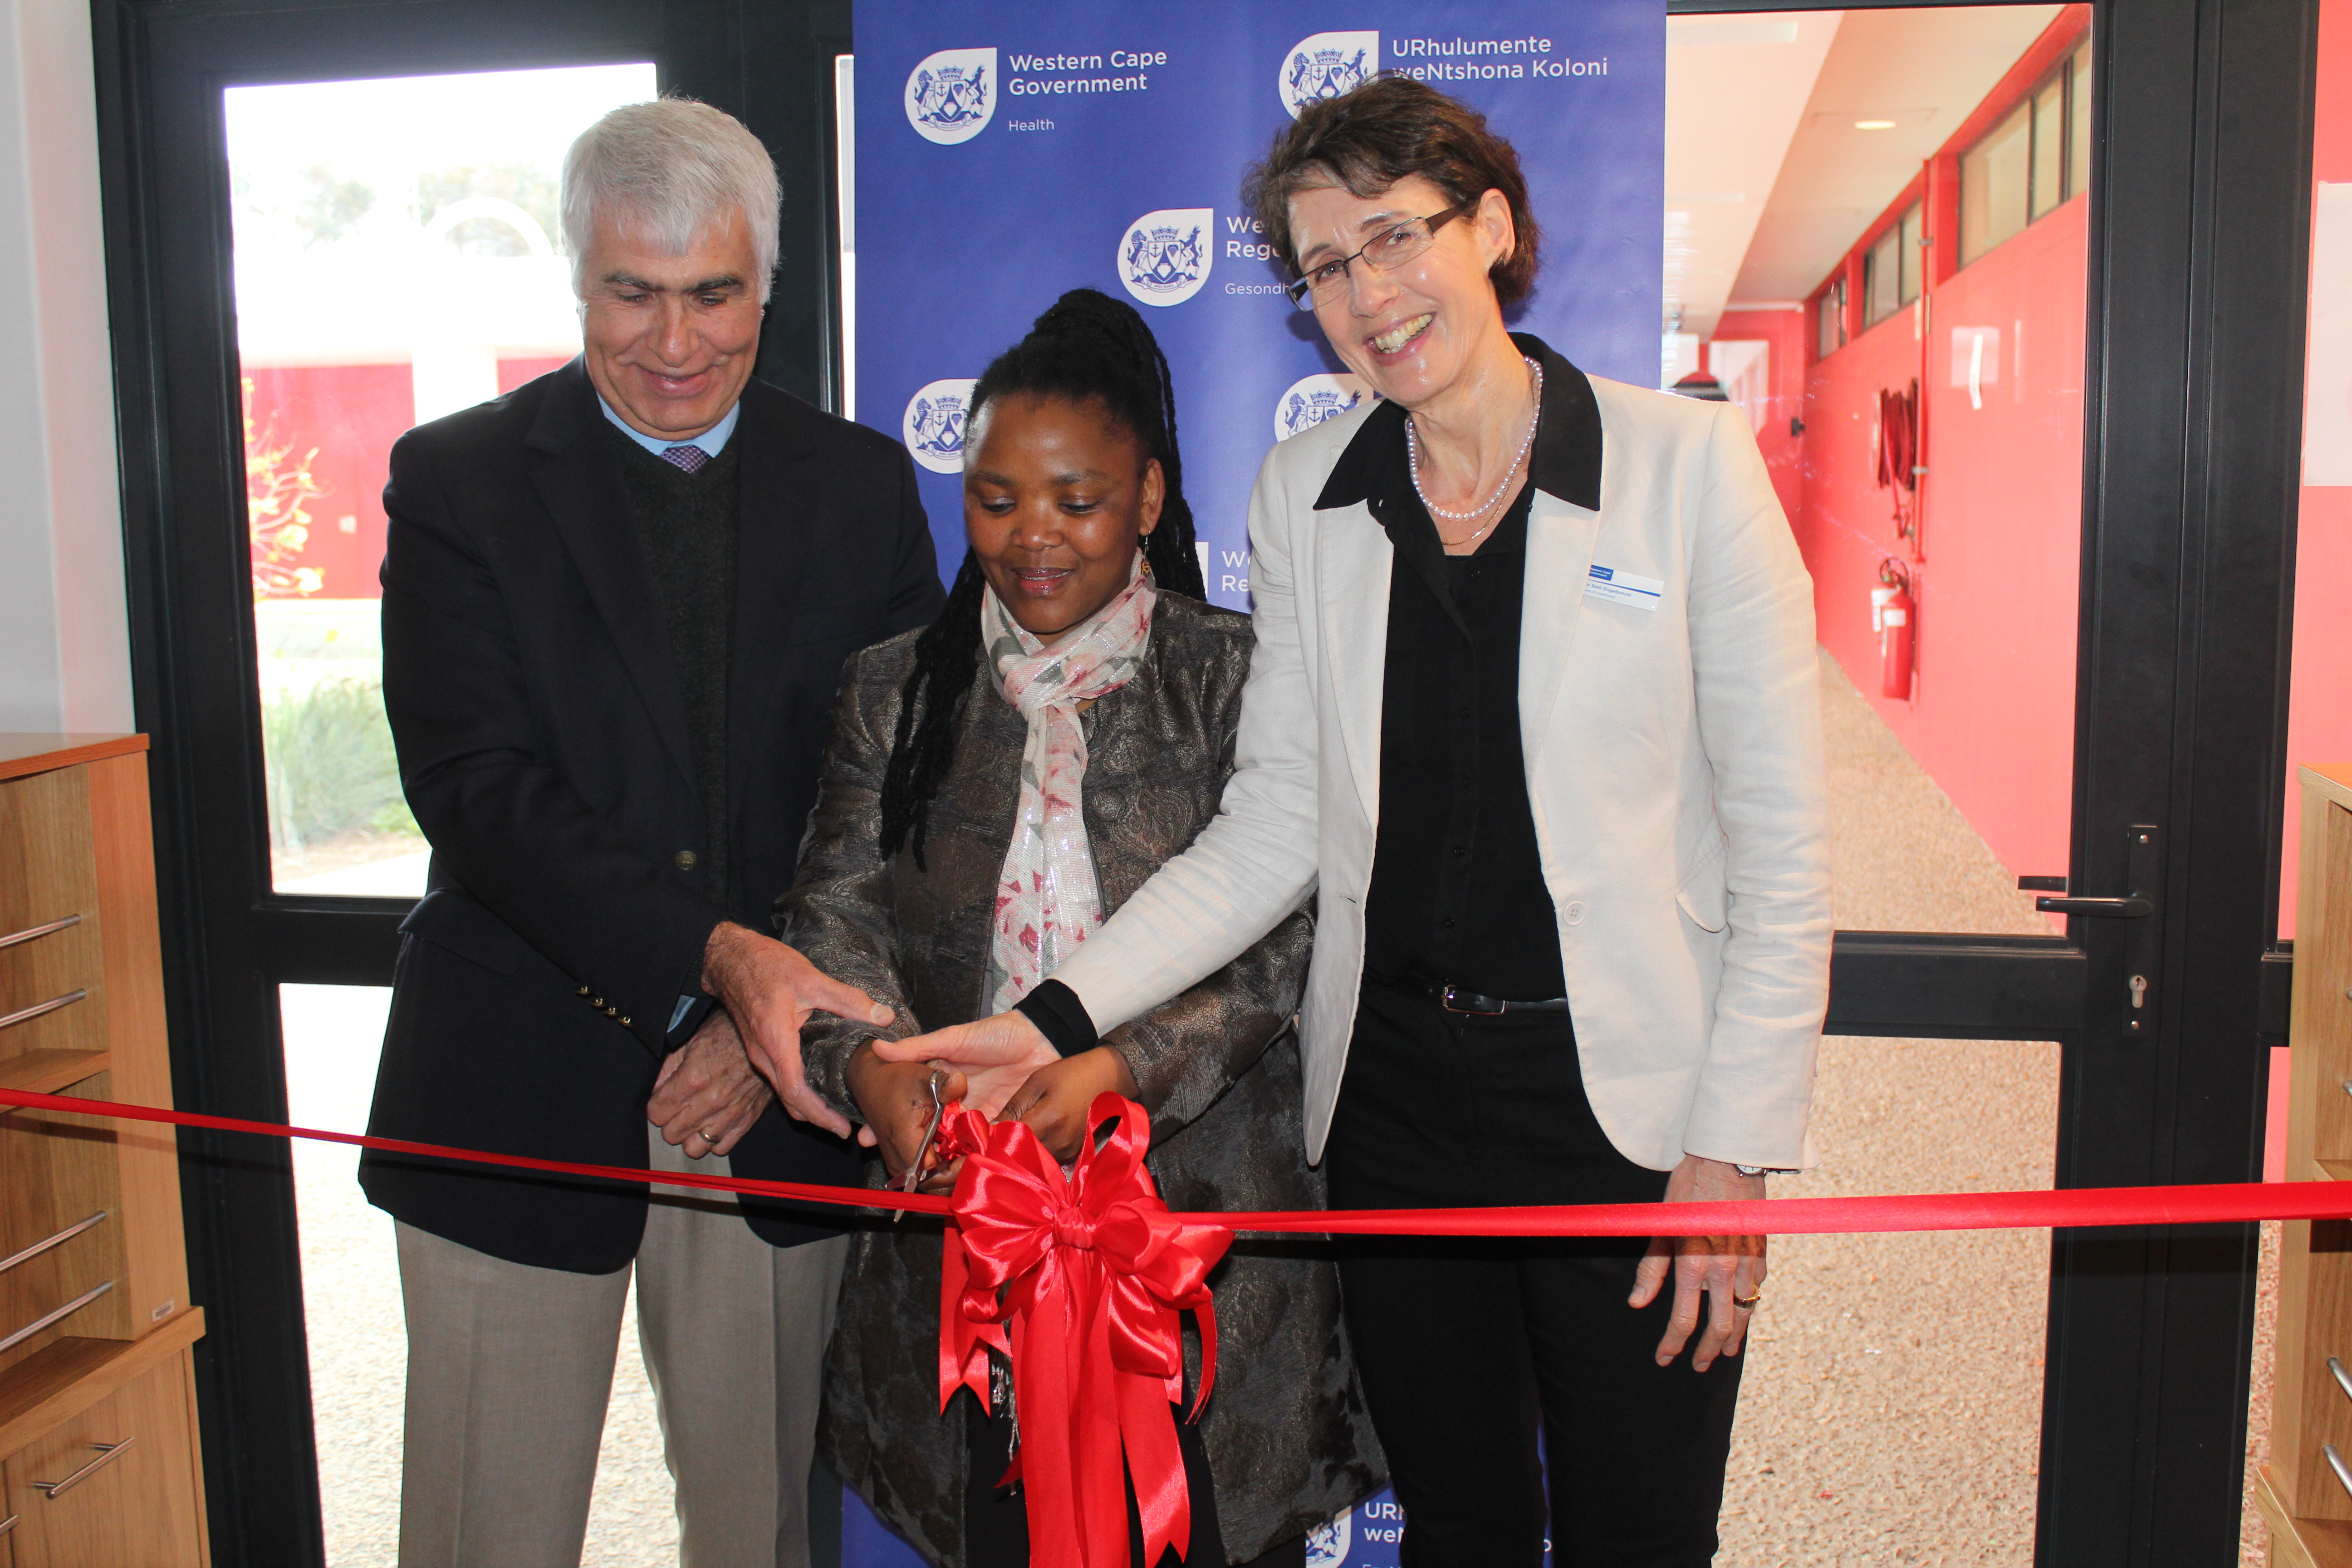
x=995 y=786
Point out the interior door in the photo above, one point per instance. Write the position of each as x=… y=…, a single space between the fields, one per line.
x=2164 y=989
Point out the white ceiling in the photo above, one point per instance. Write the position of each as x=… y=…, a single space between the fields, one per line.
x=1751 y=73
x=1768 y=180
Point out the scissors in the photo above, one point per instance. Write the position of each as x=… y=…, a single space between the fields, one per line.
x=914 y=1170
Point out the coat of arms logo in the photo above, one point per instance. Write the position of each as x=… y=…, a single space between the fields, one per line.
x=933 y=425
x=1165 y=257
x=1327 y=1545
x=1312 y=399
x=951 y=94
x=1327 y=64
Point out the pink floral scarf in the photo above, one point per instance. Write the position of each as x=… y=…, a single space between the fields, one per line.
x=1047 y=899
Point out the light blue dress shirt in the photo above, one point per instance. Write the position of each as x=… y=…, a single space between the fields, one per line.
x=712 y=441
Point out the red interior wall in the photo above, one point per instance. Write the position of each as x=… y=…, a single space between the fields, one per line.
x=1995 y=565
x=1995 y=569
x=2319 y=712
x=2002 y=533
x=1785 y=373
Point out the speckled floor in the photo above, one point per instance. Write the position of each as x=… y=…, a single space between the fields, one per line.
x=1894 y=1398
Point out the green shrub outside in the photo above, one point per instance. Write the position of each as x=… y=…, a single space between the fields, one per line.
x=330 y=763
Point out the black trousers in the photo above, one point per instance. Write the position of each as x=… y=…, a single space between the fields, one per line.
x=996 y=1519
x=1468 y=1349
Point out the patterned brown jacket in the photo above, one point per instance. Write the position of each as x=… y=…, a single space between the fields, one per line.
x=1289 y=1441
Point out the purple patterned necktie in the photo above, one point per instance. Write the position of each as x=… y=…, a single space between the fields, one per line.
x=688 y=458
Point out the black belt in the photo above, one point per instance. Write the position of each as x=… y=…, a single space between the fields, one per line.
x=1461 y=999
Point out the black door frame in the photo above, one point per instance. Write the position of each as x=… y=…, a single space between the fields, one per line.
x=2193 y=406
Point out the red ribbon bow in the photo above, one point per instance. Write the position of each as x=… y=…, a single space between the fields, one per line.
x=1088 y=1274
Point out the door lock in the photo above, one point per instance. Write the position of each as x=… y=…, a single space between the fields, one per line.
x=2142 y=943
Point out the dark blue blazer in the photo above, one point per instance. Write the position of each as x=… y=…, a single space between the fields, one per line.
x=542 y=732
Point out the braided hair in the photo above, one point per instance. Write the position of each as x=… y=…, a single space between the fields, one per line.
x=1089 y=349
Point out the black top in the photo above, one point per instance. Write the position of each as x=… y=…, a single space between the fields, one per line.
x=1481 y=918
x=1457 y=890
x=686 y=524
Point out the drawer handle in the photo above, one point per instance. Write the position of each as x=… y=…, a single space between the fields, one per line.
x=71 y=1231
x=23 y=1014
x=29 y=933
x=75 y=1305
x=2335 y=1462
x=2343 y=1376
x=9 y=1524
x=107 y=1454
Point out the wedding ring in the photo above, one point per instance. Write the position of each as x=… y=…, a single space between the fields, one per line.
x=709 y=1137
x=1747 y=1302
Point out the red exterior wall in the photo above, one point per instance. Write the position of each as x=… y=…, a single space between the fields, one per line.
x=350 y=414
x=513 y=372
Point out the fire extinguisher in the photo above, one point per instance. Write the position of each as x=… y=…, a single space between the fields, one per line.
x=1894 y=616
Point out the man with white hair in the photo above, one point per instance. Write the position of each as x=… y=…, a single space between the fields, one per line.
x=616 y=606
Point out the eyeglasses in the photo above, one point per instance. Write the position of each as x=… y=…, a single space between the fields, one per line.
x=1390 y=249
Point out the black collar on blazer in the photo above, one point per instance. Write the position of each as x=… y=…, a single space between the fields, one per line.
x=1565 y=461
x=777 y=481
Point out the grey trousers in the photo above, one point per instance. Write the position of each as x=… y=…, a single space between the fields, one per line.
x=510 y=1367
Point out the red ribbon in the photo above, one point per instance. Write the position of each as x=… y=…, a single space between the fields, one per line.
x=1088 y=1273
x=2214 y=1202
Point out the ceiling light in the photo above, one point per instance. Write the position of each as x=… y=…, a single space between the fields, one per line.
x=1874 y=125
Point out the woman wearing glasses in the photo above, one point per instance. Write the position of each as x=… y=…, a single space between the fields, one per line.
x=1534 y=706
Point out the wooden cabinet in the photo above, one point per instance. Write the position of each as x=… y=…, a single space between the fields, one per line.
x=98 y=1457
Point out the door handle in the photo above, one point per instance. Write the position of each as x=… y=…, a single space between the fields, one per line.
x=2130 y=908
x=2138 y=947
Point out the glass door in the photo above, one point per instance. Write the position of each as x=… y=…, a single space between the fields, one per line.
x=333 y=223
x=1901 y=330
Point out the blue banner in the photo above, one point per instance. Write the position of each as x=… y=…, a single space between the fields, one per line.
x=1006 y=152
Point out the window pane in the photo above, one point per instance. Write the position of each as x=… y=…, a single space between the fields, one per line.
x=398 y=257
x=2049 y=146
x=358 y=1340
x=2078 y=125
x=1863 y=1437
x=1886 y=274
x=1993 y=186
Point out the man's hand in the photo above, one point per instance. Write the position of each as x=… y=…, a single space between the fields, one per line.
x=1721 y=1267
x=771 y=990
x=1057 y=1096
x=895 y=1099
x=995 y=1055
x=707 y=1095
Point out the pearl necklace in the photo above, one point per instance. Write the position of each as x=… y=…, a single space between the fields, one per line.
x=1412 y=464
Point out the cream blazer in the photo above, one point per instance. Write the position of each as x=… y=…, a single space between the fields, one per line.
x=1675 y=771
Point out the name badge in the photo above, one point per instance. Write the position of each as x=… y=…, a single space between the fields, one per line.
x=1624 y=588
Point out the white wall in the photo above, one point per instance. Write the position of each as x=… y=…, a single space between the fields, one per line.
x=65 y=658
